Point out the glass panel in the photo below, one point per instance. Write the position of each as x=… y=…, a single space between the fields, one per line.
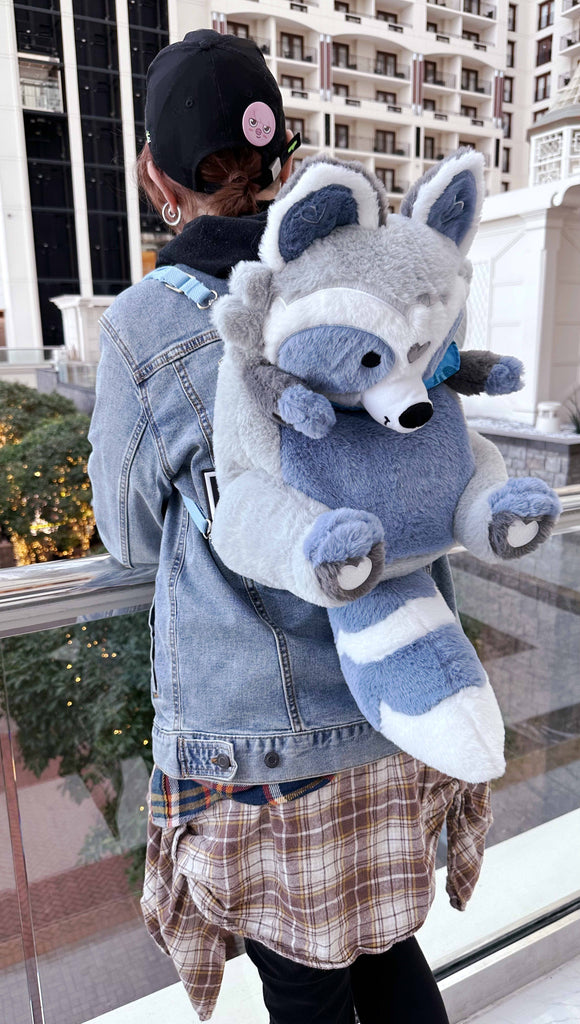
x=14 y=1003
x=78 y=699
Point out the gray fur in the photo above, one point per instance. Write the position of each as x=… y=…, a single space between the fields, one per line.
x=472 y=375
x=327 y=576
x=266 y=385
x=498 y=534
x=411 y=196
x=379 y=189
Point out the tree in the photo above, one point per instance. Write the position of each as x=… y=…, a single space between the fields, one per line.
x=45 y=495
x=80 y=695
x=23 y=408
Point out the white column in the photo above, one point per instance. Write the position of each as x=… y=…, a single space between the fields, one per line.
x=17 y=259
x=129 y=145
x=76 y=148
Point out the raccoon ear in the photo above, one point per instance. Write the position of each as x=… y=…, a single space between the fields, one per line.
x=449 y=197
x=325 y=196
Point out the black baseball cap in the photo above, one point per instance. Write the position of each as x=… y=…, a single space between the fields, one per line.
x=212 y=92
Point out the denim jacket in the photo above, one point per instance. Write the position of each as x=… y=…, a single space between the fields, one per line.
x=245 y=682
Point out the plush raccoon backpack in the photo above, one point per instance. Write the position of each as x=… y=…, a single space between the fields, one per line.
x=345 y=465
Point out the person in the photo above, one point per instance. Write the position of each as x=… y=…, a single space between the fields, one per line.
x=276 y=812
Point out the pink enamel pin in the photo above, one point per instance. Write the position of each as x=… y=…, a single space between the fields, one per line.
x=258 y=124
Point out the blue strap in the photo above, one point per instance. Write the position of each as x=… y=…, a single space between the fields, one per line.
x=187 y=284
x=203 y=524
x=447 y=367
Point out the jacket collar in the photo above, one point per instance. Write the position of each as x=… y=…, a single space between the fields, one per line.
x=214 y=245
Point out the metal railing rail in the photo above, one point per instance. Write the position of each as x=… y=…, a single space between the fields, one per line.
x=48 y=594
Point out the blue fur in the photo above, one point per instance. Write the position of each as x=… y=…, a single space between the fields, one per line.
x=453 y=211
x=505 y=377
x=526 y=496
x=416 y=508
x=340 y=534
x=416 y=678
x=329 y=357
x=307 y=411
x=314 y=217
x=383 y=601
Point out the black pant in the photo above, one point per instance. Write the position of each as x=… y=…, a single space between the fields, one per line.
x=396 y=987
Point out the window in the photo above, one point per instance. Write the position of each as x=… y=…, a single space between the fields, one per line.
x=341 y=136
x=510 y=56
x=429 y=147
x=296 y=124
x=235 y=28
x=341 y=6
x=429 y=105
x=387 y=176
x=292 y=82
x=542 y=90
x=540 y=113
x=292 y=46
x=385 y=97
x=472 y=36
x=387 y=16
x=544 y=50
x=386 y=64
x=546 y=14
x=506 y=123
x=505 y=186
x=384 y=141
x=431 y=74
x=508 y=89
x=505 y=161
x=468 y=111
x=340 y=55
x=469 y=79
x=432 y=26
x=512 y=17
x=339 y=89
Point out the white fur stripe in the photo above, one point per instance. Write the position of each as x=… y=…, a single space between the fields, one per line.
x=413 y=620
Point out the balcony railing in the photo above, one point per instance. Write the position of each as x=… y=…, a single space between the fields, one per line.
x=372 y=66
x=569 y=40
x=370 y=144
x=565 y=78
x=568 y=5
x=441 y=79
x=452 y=5
x=305 y=54
x=482 y=10
x=310 y=137
x=479 y=86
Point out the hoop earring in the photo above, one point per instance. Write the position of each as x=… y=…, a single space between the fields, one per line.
x=168 y=215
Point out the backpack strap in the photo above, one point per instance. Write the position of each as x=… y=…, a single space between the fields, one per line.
x=203 y=297
x=179 y=281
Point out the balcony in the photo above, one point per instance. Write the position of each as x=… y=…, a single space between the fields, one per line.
x=479 y=9
x=72 y=832
x=571 y=8
x=310 y=137
x=570 y=43
x=439 y=80
x=298 y=55
x=564 y=79
x=369 y=65
x=370 y=144
x=476 y=86
x=439 y=153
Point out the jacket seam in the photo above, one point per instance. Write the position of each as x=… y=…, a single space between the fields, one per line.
x=200 y=410
x=174 y=354
x=174 y=576
x=283 y=656
x=277 y=733
x=129 y=456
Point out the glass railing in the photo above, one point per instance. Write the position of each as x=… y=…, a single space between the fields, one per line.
x=75 y=720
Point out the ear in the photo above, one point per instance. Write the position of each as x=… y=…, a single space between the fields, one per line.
x=449 y=198
x=325 y=196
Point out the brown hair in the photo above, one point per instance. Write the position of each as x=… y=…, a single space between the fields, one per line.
x=233 y=169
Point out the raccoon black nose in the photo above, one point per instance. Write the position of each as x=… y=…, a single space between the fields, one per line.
x=416 y=415
x=371 y=359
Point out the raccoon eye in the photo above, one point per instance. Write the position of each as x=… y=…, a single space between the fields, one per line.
x=371 y=359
